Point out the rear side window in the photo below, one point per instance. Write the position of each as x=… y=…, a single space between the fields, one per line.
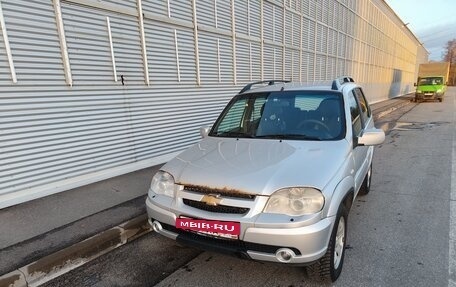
x=365 y=111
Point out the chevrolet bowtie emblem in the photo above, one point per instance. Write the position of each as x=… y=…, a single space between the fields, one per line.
x=211 y=199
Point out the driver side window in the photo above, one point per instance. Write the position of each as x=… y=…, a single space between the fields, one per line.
x=355 y=113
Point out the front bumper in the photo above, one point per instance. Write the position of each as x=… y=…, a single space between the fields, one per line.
x=306 y=243
x=428 y=96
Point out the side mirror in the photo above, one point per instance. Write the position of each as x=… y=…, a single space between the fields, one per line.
x=204 y=131
x=372 y=137
x=414 y=84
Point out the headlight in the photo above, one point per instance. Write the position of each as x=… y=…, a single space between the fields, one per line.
x=295 y=201
x=163 y=183
x=439 y=90
x=419 y=91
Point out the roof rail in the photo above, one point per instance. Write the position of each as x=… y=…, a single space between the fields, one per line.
x=337 y=83
x=269 y=82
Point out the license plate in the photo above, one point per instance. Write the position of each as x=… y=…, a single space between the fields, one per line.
x=224 y=229
x=428 y=94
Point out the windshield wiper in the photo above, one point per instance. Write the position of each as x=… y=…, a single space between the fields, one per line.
x=233 y=134
x=289 y=136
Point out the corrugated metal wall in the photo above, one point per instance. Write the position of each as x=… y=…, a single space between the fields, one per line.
x=107 y=116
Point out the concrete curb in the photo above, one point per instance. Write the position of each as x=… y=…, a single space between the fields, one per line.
x=69 y=258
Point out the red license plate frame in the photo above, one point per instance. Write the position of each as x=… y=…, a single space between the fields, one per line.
x=212 y=228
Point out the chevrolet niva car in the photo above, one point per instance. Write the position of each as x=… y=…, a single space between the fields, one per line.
x=274 y=178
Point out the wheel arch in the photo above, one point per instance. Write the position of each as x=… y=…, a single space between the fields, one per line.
x=343 y=194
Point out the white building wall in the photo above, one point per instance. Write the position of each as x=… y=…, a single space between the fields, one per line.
x=123 y=102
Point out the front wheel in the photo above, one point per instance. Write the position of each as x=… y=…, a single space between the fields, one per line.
x=329 y=267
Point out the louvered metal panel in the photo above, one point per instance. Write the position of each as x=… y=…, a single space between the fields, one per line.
x=296 y=31
x=155 y=7
x=209 y=58
x=288 y=65
x=123 y=3
x=226 y=59
x=268 y=62
x=278 y=60
x=308 y=37
x=307 y=67
x=322 y=38
x=206 y=12
x=241 y=10
x=55 y=137
x=320 y=68
x=163 y=59
x=325 y=11
x=256 y=61
x=269 y=26
x=186 y=51
x=5 y=74
x=313 y=9
x=278 y=24
x=289 y=31
x=243 y=61
x=181 y=10
x=255 y=21
x=38 y=64
x=332 y=42
x=89 y=49
x=224 y=14
x=331 y=72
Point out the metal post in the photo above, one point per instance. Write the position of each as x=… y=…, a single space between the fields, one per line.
x=63 y=43
x=284 y=40
x=111 y=47
x=7 y=46
x=176 y=46
x=218 y=61
x=168 y=6
x=261 y=40
x=215 y=13
x=195 y=38
x=250 y=61
x=233 y=32
x=300 y=48
x=143 y=42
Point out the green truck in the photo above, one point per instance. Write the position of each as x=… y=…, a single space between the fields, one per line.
x=432 y=81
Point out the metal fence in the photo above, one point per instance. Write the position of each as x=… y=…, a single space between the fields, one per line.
x=91 y=89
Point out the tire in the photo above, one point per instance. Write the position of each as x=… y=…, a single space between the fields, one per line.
x=440 y=99
x=365 y=186
x=329 y=267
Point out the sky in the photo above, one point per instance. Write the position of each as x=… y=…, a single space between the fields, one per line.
x=432 y=21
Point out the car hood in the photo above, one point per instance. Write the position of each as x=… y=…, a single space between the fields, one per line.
x=258 y=166
x=430 y=88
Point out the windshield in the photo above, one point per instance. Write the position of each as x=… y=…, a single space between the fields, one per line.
x=431 y=81
x=299 y=115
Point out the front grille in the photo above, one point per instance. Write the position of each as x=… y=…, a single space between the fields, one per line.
x=224 y=245
x=222 y=191
x=215 y=208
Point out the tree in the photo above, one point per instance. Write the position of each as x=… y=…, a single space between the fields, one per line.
x=450 y=52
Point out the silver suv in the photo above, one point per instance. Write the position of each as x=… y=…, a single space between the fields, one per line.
x=274 y=178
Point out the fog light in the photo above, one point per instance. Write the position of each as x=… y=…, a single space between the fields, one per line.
x=284 y=255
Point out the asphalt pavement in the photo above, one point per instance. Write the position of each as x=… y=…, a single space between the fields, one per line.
x=47 y=237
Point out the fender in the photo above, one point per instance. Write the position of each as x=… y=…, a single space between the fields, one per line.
x=345 y=187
